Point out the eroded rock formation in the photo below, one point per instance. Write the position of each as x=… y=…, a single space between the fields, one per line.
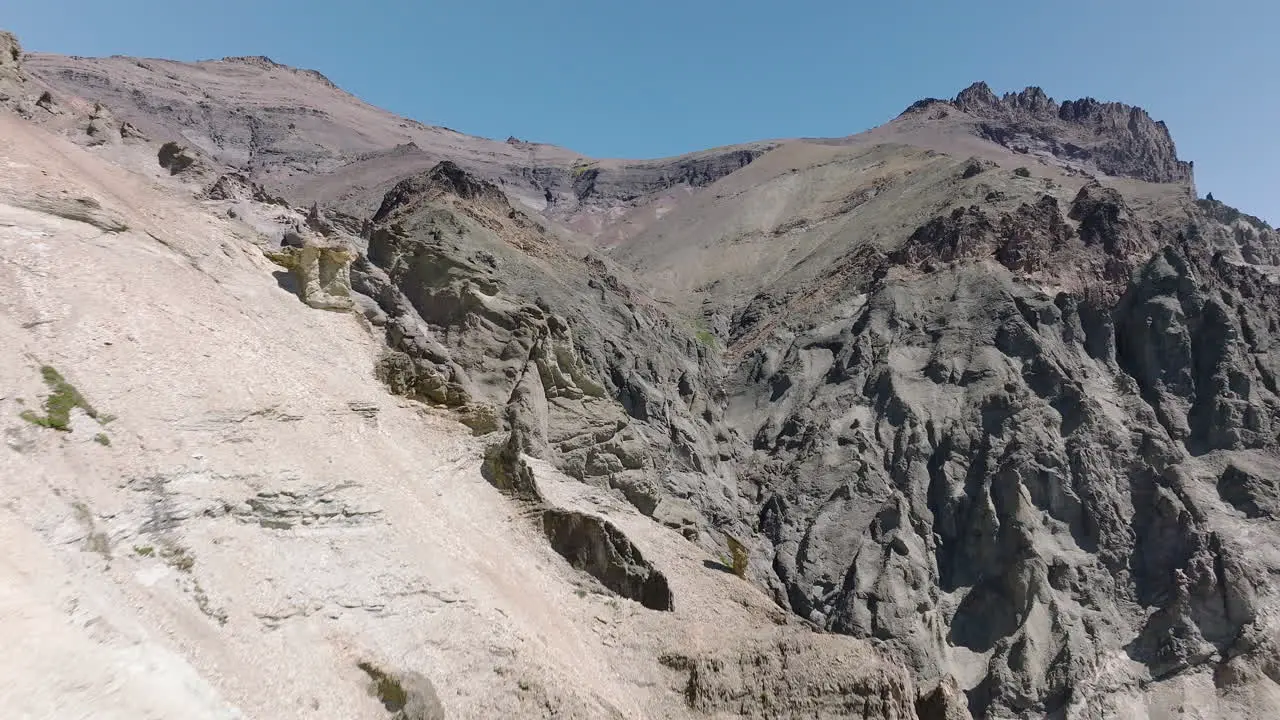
x=1115 y=138
x=795 y=676
x=320 y=270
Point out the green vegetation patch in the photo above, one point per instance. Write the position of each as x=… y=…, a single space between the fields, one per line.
x=63 y=398
x=178 y=558
x=706 y=338
x=385 y=687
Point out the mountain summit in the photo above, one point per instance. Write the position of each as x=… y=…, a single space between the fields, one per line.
x=1113 y=138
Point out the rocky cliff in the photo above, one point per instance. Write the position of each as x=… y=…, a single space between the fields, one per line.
x=985 y=388
x=1114 y=138
x=215 y=509
x=485 y=308
x=1034 y=491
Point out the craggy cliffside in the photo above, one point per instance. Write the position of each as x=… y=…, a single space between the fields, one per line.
x=1024 y=448
x=1018 y=429
x=483 y=308
x=1114 y=138
x=1041 y=493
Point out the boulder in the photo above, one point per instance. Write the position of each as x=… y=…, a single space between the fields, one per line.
x=597 y=547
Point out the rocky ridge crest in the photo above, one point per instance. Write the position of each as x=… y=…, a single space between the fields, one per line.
x=1114 y=138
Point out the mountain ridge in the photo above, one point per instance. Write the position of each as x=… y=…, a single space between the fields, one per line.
x=984 y=394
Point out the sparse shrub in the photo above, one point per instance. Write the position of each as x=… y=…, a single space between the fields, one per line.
x=1022 y=172
x=386 y=688
x=178 y=558
x=144 y=550
x=202 y=601
x=706 y=338
x=102 y=439
x=63 y=398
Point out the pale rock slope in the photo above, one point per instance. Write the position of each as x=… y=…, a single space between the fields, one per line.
x=239 y=515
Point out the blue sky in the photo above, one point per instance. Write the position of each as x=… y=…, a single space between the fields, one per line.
x=658 y=77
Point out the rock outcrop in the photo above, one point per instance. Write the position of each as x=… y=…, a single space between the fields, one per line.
x=482 y=307
x=12 y=79
x=985 y=477
x=597 y=547
x=1022 y=466
x=235 y=186
x=1196 y=336
x=82 y=209
x=174 y=158
x=793 y=676
x=944 y=702
x=1115 y=138
x=320 y=271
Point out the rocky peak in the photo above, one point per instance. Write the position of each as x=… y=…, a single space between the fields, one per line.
x=976 y=97
x=446 y=178
x=450 y=178
x=266 y=63
x=1114 y=138
x=1032 y=100
x=262 y=60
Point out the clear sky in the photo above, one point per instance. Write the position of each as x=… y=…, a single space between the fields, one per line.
x=651 y=78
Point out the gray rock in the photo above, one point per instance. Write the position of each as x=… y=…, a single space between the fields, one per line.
x=1115 y=138
x=1013 y=428
x=13 y=80
x=589 y=380
x=506 y=470
x=318 y=222
x=174 y=158
x=81 y=209
x=1251 y=492
x=595 y=546
x=944 y=702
